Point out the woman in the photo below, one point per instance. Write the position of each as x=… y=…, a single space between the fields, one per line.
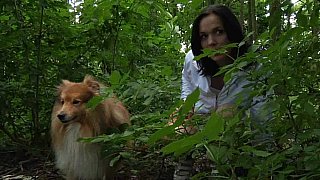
x=215 y=27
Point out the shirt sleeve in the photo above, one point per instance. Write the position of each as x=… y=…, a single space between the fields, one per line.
x=191 y=79
x=187 y=87
x=237 y=93
x=261 y=111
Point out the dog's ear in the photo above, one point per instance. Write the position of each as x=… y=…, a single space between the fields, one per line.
x=92 y=84
x=61 y=86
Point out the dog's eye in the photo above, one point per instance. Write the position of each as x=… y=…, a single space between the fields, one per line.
x=76 y=102
x=62 y=101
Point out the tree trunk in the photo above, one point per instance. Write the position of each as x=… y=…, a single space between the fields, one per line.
x=275 y=19
x=252 y=22
x=315 y=17
x=241 y=17
x=35 y=109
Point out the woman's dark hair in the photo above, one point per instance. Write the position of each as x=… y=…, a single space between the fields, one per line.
x=208 y=67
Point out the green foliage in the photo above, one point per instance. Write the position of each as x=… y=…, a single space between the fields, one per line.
x=134 y=47
x=183 y=111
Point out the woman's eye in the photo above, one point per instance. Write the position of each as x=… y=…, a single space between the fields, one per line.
x=203 y=37
x=220 y=31
x=76 y=102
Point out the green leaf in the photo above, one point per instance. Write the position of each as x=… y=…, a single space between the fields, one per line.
x=143 y=11
x=183 y=145
x=167 y=71
x=211 y=132
x=182 y=1
x=160 y=133
x=214 y=127
x=115 y=78
x=195 y=4
x=231 y=122
x=309 y=108
x=302 y=19
x=255 y=151
x=185 y=109
x=246 y=38
x=125 y=155
x=148 y=101
x=4 y=18
x=261 y=153
x=253 y=48
x=127 y=133
x=190 y=101
x=93 y=102
x=98 y=139
x=164 y=12
x=125 y=77
x=209 y=53
x=314 y=19
x=114 y=160
x=241 y=64
x=216 y=153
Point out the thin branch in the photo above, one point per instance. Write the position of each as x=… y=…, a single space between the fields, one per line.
x=11 y=136
x=290 y=113
x=38 y=45
x=117 y=34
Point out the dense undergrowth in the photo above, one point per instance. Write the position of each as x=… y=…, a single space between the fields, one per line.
x=134 y=47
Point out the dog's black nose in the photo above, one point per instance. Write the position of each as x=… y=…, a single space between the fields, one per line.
x=62 y=117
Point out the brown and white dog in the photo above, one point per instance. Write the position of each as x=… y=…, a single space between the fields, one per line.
x=71 y=120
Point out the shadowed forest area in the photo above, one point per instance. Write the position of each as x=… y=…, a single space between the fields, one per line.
x=137 y=49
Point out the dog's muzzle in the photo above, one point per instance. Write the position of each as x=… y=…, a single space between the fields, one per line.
x=62 y=117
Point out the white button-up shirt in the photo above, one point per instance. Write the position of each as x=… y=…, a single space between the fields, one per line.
x=235 y=92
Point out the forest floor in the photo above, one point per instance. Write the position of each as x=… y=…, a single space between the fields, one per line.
x=20 y=164
x=38 y=164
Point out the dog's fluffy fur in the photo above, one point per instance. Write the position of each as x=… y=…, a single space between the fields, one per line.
x=71 y=120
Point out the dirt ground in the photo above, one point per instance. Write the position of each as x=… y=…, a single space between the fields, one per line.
x=38 y=164
x=20 y=164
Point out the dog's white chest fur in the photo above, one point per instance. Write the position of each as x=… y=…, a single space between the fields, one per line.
x=82 y=160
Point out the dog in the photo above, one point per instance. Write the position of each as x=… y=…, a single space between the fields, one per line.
x=71 y=120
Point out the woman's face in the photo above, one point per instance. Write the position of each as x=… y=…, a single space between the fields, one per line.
x=213 y=36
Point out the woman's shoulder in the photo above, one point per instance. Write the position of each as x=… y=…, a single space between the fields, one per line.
x=189 y=57
x=190 y=54
x=190 y=62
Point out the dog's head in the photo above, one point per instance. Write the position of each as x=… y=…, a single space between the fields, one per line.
x=73 y=96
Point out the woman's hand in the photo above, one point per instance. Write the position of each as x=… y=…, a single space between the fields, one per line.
x=184 y=128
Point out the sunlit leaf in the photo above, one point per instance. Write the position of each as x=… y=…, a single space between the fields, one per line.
x=93 y=102
x=115 y=78
x=213 y=127
x=114 y=160
x=181 y=146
